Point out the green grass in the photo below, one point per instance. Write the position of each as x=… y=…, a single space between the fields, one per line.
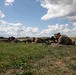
x=37 y=59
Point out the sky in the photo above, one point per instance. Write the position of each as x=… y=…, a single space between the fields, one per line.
x=37 y=18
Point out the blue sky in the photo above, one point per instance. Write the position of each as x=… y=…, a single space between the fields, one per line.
x=39 y=18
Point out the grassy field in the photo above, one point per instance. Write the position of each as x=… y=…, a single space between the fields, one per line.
x=37 y=59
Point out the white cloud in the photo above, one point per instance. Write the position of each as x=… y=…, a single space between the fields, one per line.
x=3 y=22
x=52 y=29
x=72 y=18
x=1 y=15
x=9 y=2
x=59 y=9
x=20 y=30
x=17 y=29
x=74 y=29
x=31 y=30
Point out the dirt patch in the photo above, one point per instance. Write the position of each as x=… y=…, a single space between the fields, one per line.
x=12 y=71
x=61 y=65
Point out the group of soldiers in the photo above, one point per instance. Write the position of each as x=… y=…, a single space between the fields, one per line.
x=57 y=38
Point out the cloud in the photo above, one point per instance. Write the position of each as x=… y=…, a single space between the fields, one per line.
x=8 y=2
x=1 y=15
x=59 y=9
x=62 y=28
x=31 y=30
x=19 y=30
x=16 y=29
x=74 y=29
x=72 y=18
x=56 y=28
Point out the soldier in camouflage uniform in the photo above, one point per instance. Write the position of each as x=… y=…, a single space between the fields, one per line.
x=63 y=39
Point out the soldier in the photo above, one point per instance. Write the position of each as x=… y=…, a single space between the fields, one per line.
x=53 y=39
x=10 y=39
x=27 y=41
x=55 y=36
x=39 y=40
x=63 y=39
x=33 y=39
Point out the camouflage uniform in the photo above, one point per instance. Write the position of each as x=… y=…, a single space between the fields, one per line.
x=65 y=40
